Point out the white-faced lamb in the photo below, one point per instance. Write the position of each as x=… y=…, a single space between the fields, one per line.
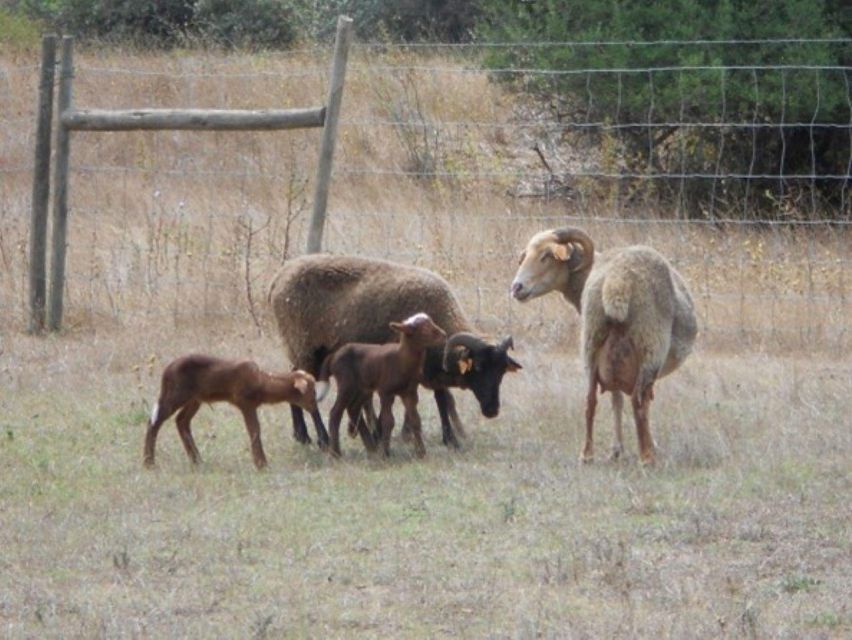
x=390 y=370
x=192 y=379
x=638 y=319
x=322 y=302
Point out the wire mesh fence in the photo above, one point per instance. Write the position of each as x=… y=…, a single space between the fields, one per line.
x=442 y=165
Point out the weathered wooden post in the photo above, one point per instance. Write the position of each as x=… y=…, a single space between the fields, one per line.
x=60 y=195
x=41 y=187
x=329 y=133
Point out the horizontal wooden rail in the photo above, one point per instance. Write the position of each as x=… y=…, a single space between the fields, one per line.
x=205 y=119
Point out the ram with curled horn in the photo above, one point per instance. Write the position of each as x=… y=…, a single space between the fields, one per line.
x=638 y=319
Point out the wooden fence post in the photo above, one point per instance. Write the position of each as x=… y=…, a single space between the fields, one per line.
x=329 y=133
x=60 y=196
x=41 y=187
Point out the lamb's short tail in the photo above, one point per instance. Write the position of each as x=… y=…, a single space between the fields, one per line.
x=155 y=413
x=322 y=379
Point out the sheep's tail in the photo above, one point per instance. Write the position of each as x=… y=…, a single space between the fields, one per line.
x=322 y=379
x=616 y=296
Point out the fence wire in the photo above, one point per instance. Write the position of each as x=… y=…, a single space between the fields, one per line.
x=185 y=226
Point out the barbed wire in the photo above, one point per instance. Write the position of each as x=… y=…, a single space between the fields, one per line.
x=598 y=43
x=384 y=68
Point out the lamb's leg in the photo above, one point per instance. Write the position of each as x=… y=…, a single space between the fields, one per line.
x=357 y=422
x=455 y=421
x=162 y=411
x=443 y=399
x=588 y=454
x=253 y=428
x=617 y=408
x=319 y=427
x=386 y=421
x=184 y=418
x=334 y=418
x=300 y=428
x=409 y=401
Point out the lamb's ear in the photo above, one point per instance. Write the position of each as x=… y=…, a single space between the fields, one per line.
x=465 y=365
x=398 y=327
x=301 y=384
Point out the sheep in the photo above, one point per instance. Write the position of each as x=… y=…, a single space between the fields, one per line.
x=322 y=302
x=192 y=379
x=638 y=319
x=388 y=369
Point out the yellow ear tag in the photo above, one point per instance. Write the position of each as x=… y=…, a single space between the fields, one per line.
x=465 y=365
x=301 y=384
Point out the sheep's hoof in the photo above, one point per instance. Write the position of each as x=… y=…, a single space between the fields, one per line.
x=617 y=452
x=148 y=463
x=450 y=440
x=405 y=434
x=587 y=458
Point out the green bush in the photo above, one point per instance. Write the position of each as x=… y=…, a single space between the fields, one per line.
x=18 y=32
x=698 y=96
x=255 y=24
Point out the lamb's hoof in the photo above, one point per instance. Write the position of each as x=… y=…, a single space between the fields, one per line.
x=323 y=445
x=301 y=438
x=616 y=453
x=149 y=464
x=406 y=435
x=587 y=458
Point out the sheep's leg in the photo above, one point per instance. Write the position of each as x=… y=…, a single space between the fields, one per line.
x=386 y=421
x=253 y=428
x=319 y=427
x=184 y=418
x=371 y=420
x=617 y=408
x=641 y=399
x=456 y=422
x=300 y=428
x=162 y=412
x=588 y=454
x=409 y=401
x=444 y=400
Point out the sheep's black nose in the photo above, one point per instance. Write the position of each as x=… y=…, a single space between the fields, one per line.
x=517 y=287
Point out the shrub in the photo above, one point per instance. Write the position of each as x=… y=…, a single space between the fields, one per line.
x=699 y=96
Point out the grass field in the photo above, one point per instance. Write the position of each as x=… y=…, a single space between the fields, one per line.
x=741 y=531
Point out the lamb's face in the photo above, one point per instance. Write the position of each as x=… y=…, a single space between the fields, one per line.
x=542 y=267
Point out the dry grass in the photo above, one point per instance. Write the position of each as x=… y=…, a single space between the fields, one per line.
x=741 y=531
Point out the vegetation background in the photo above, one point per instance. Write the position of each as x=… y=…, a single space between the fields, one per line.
x=741 y=531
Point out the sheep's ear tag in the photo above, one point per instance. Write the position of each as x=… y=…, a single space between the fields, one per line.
x=560 y=252
x=301 y=384
x=465 y=365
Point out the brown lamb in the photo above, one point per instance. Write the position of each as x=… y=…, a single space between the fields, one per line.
x=192 y=379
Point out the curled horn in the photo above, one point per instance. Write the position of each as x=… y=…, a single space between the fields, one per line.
x=461 y=339
x=568 y=235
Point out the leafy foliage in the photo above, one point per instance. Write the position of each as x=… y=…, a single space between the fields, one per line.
x=666 y=95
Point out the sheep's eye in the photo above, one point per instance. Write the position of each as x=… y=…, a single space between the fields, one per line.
x=545 y=255
x=522 y=257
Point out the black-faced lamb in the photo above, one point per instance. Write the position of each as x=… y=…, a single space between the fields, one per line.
x=638 y=319
x=322 y=302
x=192 y=379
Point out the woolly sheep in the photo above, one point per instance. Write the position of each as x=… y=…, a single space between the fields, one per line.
x=638 y=319
x=322 y=302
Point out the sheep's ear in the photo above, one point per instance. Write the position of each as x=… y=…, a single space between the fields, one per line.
x=512 y=364
x=301 y=384
x=465 y=365
x=398 y=327
x=561 y=252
